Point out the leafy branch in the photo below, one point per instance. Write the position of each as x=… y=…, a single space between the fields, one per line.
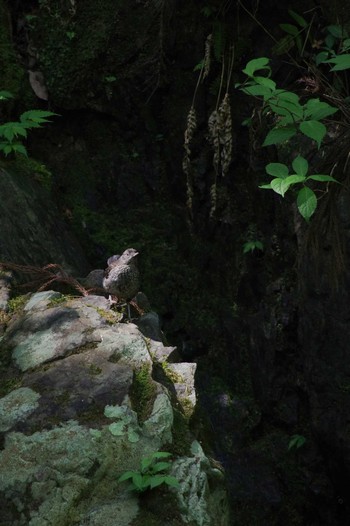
x=290 y=118
x=13 y=132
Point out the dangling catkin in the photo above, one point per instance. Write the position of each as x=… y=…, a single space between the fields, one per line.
x=225 y=134
x=186 y=163
x=207 y=56
x=213 y=199
x=214 y=130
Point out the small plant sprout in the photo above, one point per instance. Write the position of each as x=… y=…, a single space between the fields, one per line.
x=152 y=473
x=296 y=442
x=250 y=246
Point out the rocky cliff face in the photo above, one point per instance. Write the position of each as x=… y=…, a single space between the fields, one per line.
x=29 y=217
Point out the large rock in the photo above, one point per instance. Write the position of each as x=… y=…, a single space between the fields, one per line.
x=83 y=408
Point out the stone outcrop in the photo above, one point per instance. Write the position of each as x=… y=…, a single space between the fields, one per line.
x=80 y=407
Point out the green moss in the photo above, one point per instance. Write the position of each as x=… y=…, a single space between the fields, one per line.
x=17 y=304
x=94 y=370
x=182 y=437
x=143 y=393
x=175 y=378
x=57 y=301
x=29 y=167
x=9 y=384
x=110 y=316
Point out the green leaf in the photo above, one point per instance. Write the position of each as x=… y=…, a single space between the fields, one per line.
x=284 y=45
x=9 y=130
x=337 y=31
x=298 y=18
x=329 y=42
x=278 y=186
x=157 y=480
x=287 y=95
x=321 y=57
x=250 y=246
x=313 y=129
x=171 y=481
x=277 y=170
x=346 y=44
x=4 y=95
x=286 y=108
x=160 y=466
x=139 y=481
x=294 y=179
x=296 y=441
x=7 y=149
x=323 y=178
x=18 y=147
x=317 y=110
x=37 y=116
x=306 y=202
x=257 y=91
x=255 y=65
x=278 y=135
x=290 y=29
x=264 y=81
x=161 y=454
x=281 y=186
x=341 y=62
x=125 y=476
x=300 y=165
x=197 y=67
x=266 y=186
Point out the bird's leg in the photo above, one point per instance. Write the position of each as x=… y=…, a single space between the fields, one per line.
x=112 y=300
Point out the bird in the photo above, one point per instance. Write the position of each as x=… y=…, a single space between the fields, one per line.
x=121 y=277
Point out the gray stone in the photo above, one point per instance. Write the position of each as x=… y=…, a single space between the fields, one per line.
x=17 y=406
x=149 y=325
x=41 y=300
x=5 y=289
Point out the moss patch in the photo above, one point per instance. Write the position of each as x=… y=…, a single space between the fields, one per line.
x=143 y=393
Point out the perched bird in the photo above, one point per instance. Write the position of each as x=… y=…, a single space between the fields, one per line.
x=121 y=277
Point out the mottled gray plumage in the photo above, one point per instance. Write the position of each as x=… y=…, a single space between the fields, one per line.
x=122 y=278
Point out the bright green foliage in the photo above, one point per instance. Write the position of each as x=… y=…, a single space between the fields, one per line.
x=282 y=181
x=296 y=441
x=4 y=95
x=250 y=246
x=291 y=117
x=151 y=473
x=10 y=132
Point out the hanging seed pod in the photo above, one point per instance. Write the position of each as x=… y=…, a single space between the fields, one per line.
x=213 y=199
x=214 y=129
x=186 y=163
x=207 y=56
x=225 y=134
